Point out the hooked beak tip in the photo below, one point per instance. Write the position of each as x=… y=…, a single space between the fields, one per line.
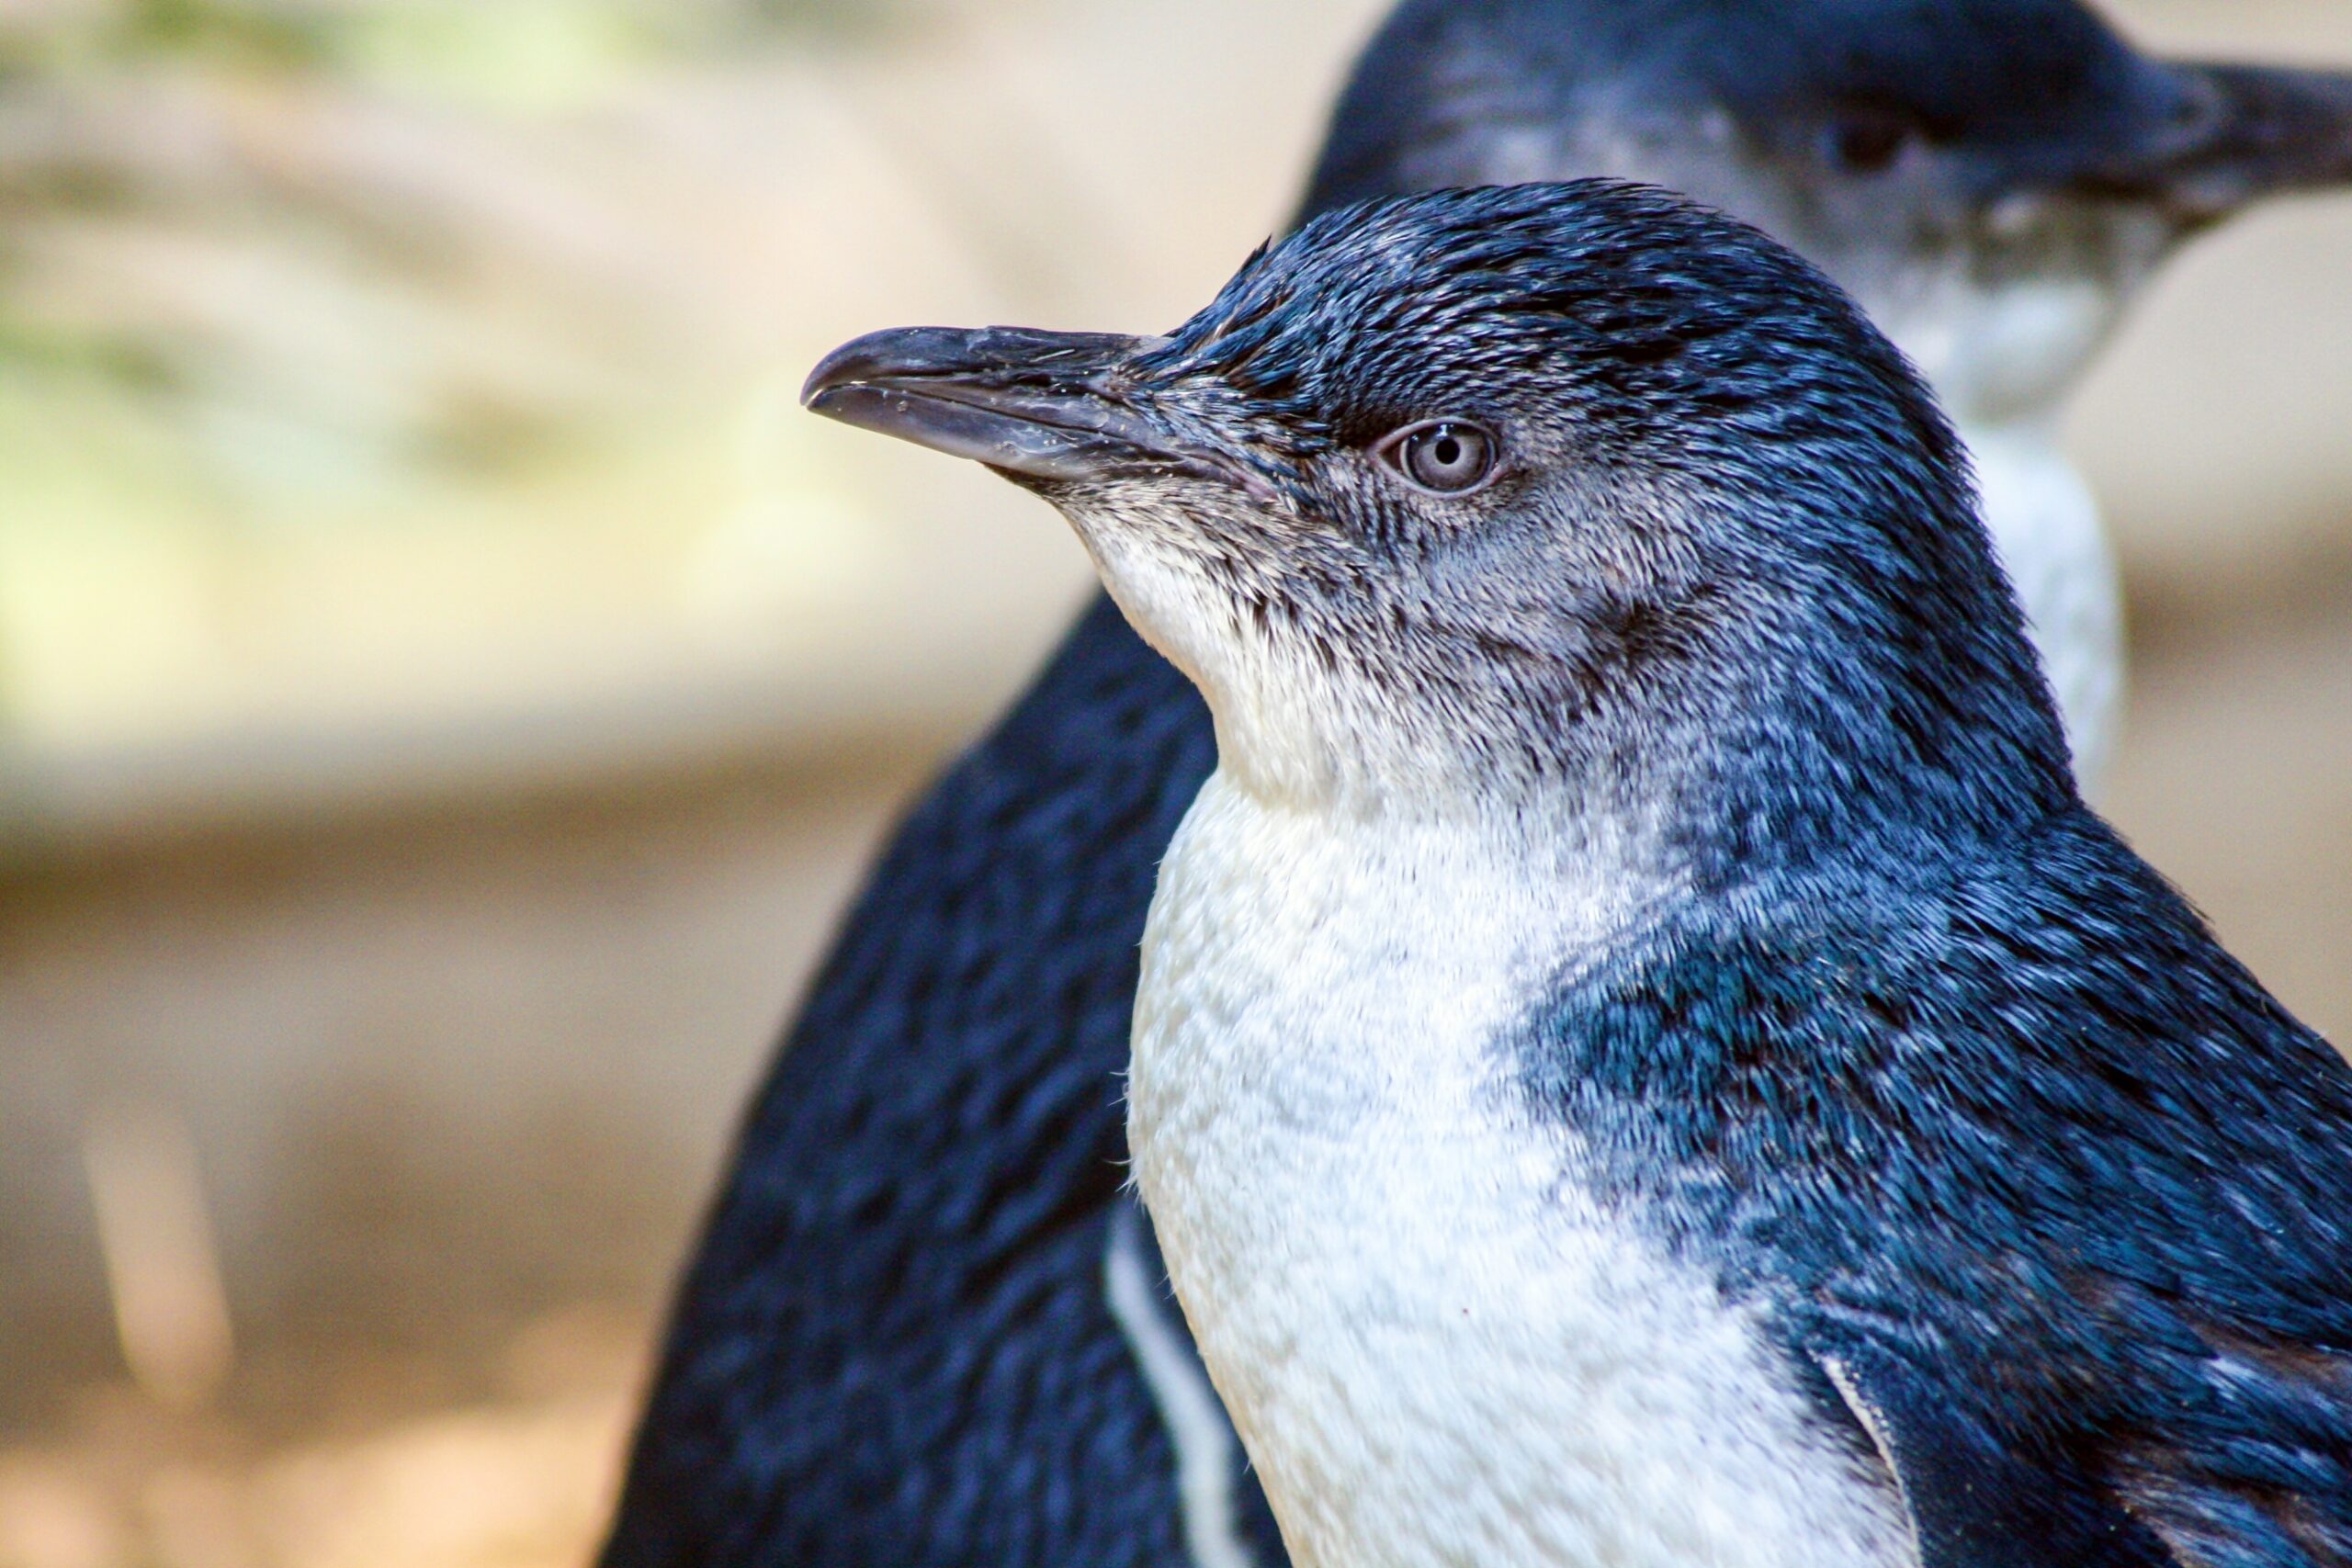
x=893 y=354
x=1034 y=405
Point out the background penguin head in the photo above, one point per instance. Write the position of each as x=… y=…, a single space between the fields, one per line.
x=1466 y=500
x=1991 y=178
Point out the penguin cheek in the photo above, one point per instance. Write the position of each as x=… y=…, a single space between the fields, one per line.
x=1173 y=578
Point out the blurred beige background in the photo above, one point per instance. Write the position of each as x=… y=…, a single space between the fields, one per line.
x=447 y=687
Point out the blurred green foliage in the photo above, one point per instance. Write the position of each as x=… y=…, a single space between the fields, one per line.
x=362 y=35
x=287 y=284
x=211 y=146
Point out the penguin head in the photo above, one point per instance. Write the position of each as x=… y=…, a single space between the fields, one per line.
x=1483 y=499
x=1992 y=179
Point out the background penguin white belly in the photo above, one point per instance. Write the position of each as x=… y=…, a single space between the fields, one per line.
x=2002 y=360
x=1393 y=1266
x=2045 y=527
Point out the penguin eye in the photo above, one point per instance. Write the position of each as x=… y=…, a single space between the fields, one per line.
x=1445 y=457
x=1866 y=141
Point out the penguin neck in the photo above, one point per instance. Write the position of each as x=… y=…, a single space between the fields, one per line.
x=2007 y=357
x=2047 y=530
x=2003 y=358
x=1423 y=815
x=1519 y=837
x=2004 y=314
x=1281 y=922
x=2004 y=354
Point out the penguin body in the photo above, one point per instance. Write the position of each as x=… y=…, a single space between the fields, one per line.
x=1643 y=1054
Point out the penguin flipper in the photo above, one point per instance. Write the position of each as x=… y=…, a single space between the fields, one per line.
x=2263 y=1474
x=1973 y=1502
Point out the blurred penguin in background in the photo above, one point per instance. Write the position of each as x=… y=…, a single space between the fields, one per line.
x=925 y=1326
x=1991 y=180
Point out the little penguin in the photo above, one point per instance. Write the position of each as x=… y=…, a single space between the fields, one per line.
x=1643 y=1055
x=924 y=1327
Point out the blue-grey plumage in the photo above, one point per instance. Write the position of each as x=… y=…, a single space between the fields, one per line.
x=896 y=1344
x=1643 y=1055
x=1993 y=181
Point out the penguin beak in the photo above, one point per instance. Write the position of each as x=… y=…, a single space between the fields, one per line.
x=2213 y=138
x=1036 y=406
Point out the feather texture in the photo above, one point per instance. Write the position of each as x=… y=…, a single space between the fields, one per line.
x=2014 y=1133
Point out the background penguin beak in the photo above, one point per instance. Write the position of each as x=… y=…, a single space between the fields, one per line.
x=2217 y=137
x=1032 y=405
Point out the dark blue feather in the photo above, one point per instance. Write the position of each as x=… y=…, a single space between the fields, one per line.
x=2003 y=1124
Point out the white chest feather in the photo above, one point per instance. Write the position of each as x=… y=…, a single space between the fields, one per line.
x=1436 y=1347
